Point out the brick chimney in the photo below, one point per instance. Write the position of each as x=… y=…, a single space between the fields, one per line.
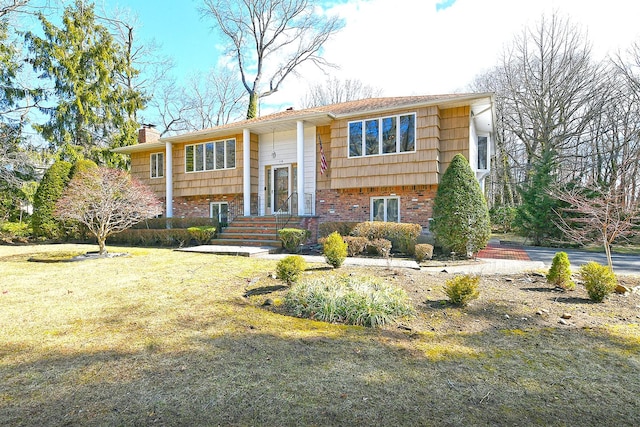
x=148 y=133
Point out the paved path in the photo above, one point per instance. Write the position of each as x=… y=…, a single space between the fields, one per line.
x=622 y=264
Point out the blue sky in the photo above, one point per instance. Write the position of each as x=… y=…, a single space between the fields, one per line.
x=404 y=47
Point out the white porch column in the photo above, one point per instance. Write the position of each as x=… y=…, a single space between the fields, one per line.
x=300 y=161
x=168 y=173
x=246 y=171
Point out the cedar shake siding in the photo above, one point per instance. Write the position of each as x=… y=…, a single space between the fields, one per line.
x=401 y=184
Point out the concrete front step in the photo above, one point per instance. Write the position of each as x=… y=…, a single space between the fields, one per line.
x=245 y=235
x=247 y=242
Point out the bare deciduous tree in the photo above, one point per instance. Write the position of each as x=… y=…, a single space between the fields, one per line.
x=597 y=215
x=334 y=91
x=551 y=87
x=214 y=99
x=270 y=39
x=106 y=201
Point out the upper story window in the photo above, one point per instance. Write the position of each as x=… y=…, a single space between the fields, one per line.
x=385 y=135
x=157 y=165
x=483 y=152
x=210 y=156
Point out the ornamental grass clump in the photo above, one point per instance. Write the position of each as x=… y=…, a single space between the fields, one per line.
x=560 y=272
x=599 y=280
x=290 y=268
x=462 y=289
x=363 y=301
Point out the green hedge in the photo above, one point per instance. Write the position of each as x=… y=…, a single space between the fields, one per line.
x=152 y=237
x=343 y=228
x=293 y=238
x=163 y=223
x=403 y=237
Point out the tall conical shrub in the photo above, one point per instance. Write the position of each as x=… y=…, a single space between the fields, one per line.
x=51 y=187
x=460 y=213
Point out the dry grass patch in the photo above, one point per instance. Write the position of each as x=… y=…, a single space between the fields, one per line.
x=163 y=337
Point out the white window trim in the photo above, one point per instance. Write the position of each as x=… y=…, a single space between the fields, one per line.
x=385 y=198
x=153 y=167
x=488 y=154
x=204 y=155
x=363 y=143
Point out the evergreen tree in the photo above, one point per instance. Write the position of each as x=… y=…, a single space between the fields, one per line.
x=536 y=216
x=94 y=110
x=51 y=187
x=460 y=213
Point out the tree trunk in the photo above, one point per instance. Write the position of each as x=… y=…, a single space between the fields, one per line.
x=252 y=111
x=102 y=245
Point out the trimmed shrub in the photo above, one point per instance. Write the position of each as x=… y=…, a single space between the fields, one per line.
x=355 y=245
x=290 y=268
x=353 y=300
x=202 y=234
x=403 y=237
x=380 y=247
x=462 y=289
x=15 y=229
x=343 y=228
x=162 y=237
x=460 y=214
x=423 y=251
x=599 y=280
x=334 y=250
x=293 y=238
x=162 y=223
x=51 y=187
x=560 y=272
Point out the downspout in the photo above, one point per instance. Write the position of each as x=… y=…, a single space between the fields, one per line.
x=169 y=179
x=246 y=171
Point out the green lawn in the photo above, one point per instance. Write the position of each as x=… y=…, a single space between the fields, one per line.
x=163 y=337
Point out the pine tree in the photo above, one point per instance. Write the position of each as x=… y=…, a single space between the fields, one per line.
x=81 y=58
x=535 y=217
x=460 y=213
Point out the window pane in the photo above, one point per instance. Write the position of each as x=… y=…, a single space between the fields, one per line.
x=392 y=210
x=224 y=213
x=199 y=157
x=153 y=166
x=355 y=139
x=160 y=161
x=231 y=153
x=408 y=133
x=372 y=141
x=482 y=152
x=208 y=156
x=378 y=210
x=389 y=135
x=189 y=158
x=220 y=155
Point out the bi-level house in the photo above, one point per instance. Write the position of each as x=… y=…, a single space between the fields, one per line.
x=374 y=159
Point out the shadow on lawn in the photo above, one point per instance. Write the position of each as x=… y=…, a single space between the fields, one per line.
x=355 y=377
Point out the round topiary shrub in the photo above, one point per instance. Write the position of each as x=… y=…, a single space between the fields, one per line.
x=560 y=272
x=423 y=251
x=599 y=280
x=290 y=268
x=335 y=250
x=462 y=289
